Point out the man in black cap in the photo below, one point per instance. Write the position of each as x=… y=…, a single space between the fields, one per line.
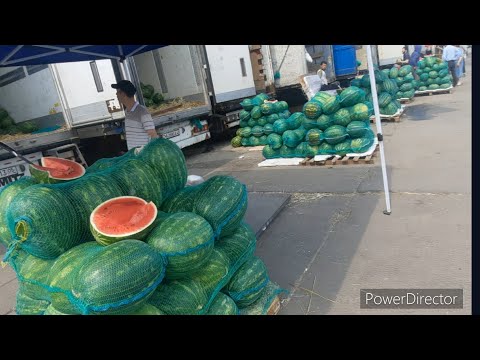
x=139 y=126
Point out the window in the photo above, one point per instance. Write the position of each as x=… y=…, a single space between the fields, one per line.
x=96 y=76
x=12 y=76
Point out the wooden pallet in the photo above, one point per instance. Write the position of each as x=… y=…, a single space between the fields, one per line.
x=345 y=160
x=387 y=119
x=406 y=101
x=434 y=92
x=274 y=307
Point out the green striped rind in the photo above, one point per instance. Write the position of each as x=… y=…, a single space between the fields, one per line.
x=41 y=176
x=223 y=305
x=280 y=126
x=263 y=304
x=361 y=145
x=393 y=72
x=335 y=134
x=342 y=148
x=183 y=200
x=108 y=163
x=46 y=221
x=30 y=271
x=64 y=271
x=119 y=278
x=357 y=129
x=324 y=121
x=237 y=247
x=168 y=162
x=6 y=195
x=87 y=194
x=147 y=309
x=312 y=109
x=256 y=113
x=275 y=141
x=295 y=120
x=215 y=270
x=314 y=136
x=25 y=305
x=246 y=285
x=137 y=178
x=351 y=96
x=331 y=105
x=180 y=297
x=52 y=311
x=359 y=112
x=384 y=99
x=220 y=201
x=186 y=239
x=342 y=117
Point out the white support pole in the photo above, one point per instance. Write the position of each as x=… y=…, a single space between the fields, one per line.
x=378 y=123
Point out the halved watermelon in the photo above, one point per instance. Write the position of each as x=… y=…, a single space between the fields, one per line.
x=120 y=218
x=54 y=170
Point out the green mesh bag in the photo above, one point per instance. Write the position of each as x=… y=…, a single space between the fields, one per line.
x=251 y=123
x=259 y=99
x=393 y=73
x=312 y=109
x=223 y=305
x=359 y=112
x=280 y=126
x=421 y=64
x=246 y=132
x=369 y=105
x=247 y=104
x=267 y=108
x=325 y=149
x=269 y=153
x=295 y=120
x=362 y=144
x=223 y=203
x=356 y=82
x=6 y=195
x=263 y=304
x=287 y=152
x=309 y=124
x=314 y=136
x=335 y=134
x=255 y=141
x=275 y=141
x=405 y=70
x=331 y=105
x=183 y=200
x=257 y=131
x=390 y=109
x=147 y=309
x=272 y=118
x=244 y=115
x=243 y=123
x=268 y=129
x=342 y=117
x=185 y=239
x=236 y=142
x=324 y=121
x=263 y=140
x=248 y=282
x=424 y=77
x=430 y=61
x=50 y=310
x=256 y=113
x=239 y=246
x=282 y=106
x=311 y=150
x=351 y=96
x=262 y=121
x=25 y=305
x=108 y=163
x=291 y=139
x=215 y=270
x=357 y=129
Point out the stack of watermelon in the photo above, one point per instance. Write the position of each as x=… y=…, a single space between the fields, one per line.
x=434 y=74
x=9 y=127
x=257 y=119
x=389 y=87
x=128 y=237
x=328 y=125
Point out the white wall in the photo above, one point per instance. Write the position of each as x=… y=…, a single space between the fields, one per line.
x=294 y=65
x=29 y=98
x=147 y=71
x=79 y=85
x=388 y=54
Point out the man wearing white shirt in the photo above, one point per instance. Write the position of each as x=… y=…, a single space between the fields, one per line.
x=451 y=55
x=322 y=74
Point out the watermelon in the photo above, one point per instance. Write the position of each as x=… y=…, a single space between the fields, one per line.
x=369 y=105
x=438 y=81
x=356 y=129
x=168 y=162
x=406 y=87
x=244 y=115
x=259 y=99
x=409 y=94
x=422 y=88
x=27 y=306
x=356 y=82
x=246 y=131
x=246 y=141
x=430 y=81
x=361 y=145
x=275 y=141
x=124 y=217
x=380 y=88
x=257 y=131
x=255 y=141
x=50 y=310
x=311 y=150
x=251 y=123
x=282 y=106
x=325 y=149
x=399 y=80
x=143 y=185
x=280 y=126
x=269 y=153
x=435 y=67
x=301 y=150
x=238 y=247
x=54 y=170
x=284 y=114
x=366 y=80
x=390 y=109
x=430 y=61
x=409 y=78
x=180 y=297
x=390 y=86
x=268 y=129
x=312 y=109
x=335 y=134
x=420 y=72
x=256 y=113
x=421 y=64
x=267 y=108
x=386 y=72
x=342 y=148
x=351 y=96
x=214 y=274
x=186 y=250
x=433 y=87
x=291 y=139
x=341 y=117
x=301 y=132
x=310 y=123
x=182 y=201
x=287 y=152
x=442 y=73
x=263 y=140
x=7 y=122
x=236 y=141
x=262 y=121
x=368 y=92
x=397 y=103
x=246 y=285
x=379 y=76
x=324 y=121
x=247 y=105
x=433 y=74
x=222 y=202
x=331 y=105
x=427 y=69
x=424 y=77
x=295 y=120
x=314 y=136
x=272 y=118
x=445 y=86
x=64 y=270
x=222 y=305
x=405 y=70
x=147 y=309
x=359 y=112
x=6 y=195
x=393 y=72
x=385 y=98
x=442 y=66
x=41 y=216
x=120 y=277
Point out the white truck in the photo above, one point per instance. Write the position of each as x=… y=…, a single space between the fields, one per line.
x=81 y=118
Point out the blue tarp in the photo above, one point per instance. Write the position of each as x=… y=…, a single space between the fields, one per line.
x=20 y=55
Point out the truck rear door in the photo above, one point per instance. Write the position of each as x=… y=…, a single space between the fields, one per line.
x=345 y=60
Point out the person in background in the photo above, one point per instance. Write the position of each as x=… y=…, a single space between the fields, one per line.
x=322 y=74
x=139 y=126
x=460 y=63
x=428 y=50
x=405 y=57
x=414 y=58
x=450 y=55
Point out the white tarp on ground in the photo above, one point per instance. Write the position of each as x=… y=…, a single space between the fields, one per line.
x=281 y=162
x=366 y=153
x=433 y=91
x=398 y=113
